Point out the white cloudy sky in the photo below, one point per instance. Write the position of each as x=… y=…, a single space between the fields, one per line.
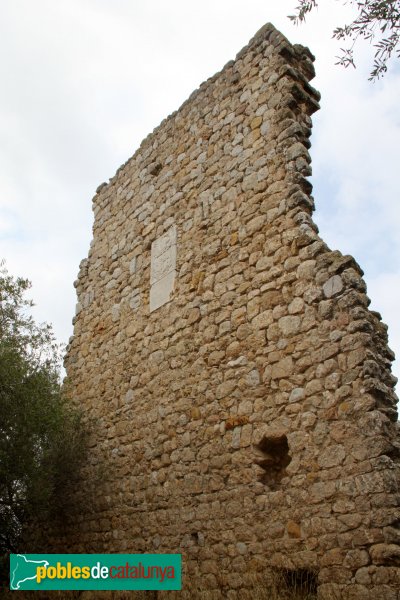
x=84 y=81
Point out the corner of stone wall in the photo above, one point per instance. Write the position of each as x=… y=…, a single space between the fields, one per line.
x=340 y=276
x=367 y=397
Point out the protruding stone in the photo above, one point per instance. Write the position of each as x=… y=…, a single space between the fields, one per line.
x=296 y=395
x=333 y=286
x=289 y=325
x=385 y=554
x=100 y=187
x=132 y=265
x=293 y=529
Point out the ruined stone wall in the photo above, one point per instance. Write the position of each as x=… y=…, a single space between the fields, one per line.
x=238 y=386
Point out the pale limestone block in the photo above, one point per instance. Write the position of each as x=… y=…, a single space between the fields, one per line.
x=241 y=547
x=163 y=264
x=236 y=437
x=253 y=378
x=160 y=291
x=129 y=396
x=164 y=242
x=333 y=286
x=289 y=325
x=115 y=312
x=296 y=395
x=132 y=265
x=134 y=301
x=87 y=298
x=163 y=268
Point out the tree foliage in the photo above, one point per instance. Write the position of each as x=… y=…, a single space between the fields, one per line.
x=377 y=21
x=41 y=436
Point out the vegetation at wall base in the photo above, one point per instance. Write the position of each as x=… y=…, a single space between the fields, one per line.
x=42 y=439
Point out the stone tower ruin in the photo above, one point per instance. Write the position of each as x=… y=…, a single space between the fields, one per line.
x=238 y=387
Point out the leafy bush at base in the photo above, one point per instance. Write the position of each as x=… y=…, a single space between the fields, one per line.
x=42 y=440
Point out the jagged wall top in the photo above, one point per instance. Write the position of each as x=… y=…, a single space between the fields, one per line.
x=271 y=40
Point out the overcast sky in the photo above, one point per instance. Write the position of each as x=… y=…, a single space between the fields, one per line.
x=84 y=81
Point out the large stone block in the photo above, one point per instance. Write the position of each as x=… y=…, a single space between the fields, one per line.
x=161 y=290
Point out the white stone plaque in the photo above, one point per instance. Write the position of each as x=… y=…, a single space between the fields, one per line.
x=163 y=264
x=163 y=268
x=164 y=242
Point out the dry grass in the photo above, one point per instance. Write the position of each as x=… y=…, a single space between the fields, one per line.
x=280 y=585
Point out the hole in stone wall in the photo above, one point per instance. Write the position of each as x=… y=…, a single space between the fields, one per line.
x=395 y=524
x=273 y=458
x=394 y=453
x=154 y=168
x=197 y=538
x=300 y=583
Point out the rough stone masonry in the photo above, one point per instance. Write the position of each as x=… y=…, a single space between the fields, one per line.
x=238 y=387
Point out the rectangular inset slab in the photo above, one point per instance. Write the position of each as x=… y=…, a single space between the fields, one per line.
x=164 y=242
x=160 y=291
x=163 y=264
x=163 y=268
